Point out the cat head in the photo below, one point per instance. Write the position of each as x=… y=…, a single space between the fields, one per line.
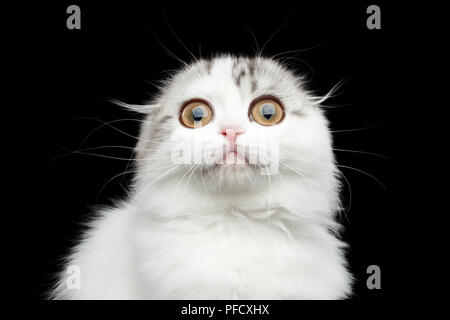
x=230 y=125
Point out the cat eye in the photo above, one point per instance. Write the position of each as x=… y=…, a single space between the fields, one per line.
x=266 y=111
x=195 y=114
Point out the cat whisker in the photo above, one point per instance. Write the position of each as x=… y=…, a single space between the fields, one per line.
x=283 y=59
x=118 y=120
x=350 y=194
x=167 y=172
x=153 y=84
x=363 y=152
x=254 y=38
x=298 y=51
x=279 y=173
x=174 y=33
x=195 y=166
x=317 y=100
x=168 y=52
x=203 y=181
x=124 y=173
x=294 y=84
x=357 y=129
x=111 y=126
x=110 y=180
x=130 y=160
x=365 y=173
x=173 y=198
x=341 y=105
x=88 y=154
x=276 y=31
x=270 y=188
x=106 y=147
x=82 y=152
x=292 y=169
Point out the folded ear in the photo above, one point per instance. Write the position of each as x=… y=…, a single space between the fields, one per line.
x=139 y=108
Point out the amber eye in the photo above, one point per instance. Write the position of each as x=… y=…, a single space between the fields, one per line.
x=196 y=114
x=266 y=112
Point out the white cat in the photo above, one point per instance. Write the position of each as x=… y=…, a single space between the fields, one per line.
x=235 y=195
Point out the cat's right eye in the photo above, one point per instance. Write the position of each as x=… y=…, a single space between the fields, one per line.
x=196 y=114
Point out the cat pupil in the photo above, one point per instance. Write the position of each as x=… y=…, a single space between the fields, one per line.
x=198 y=114
x=267 y=110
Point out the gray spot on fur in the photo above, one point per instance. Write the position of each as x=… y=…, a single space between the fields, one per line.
x=243 y=67
x=254 y=84
x=157 y=132
x=297 y=112
x=208 y=65
x=156 y=136
x=238 y=79
x=238 y=70
x=164 y=119
x=271 y=88
x=160 y=129
x=251 y=66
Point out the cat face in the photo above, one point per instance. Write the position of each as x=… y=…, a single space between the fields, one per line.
x=232 y=124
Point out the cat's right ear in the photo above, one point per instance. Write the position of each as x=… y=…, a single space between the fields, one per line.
x=138 y=108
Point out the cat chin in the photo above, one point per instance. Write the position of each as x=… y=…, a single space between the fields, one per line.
x=235 y=177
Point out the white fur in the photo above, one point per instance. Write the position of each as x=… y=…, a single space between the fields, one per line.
x=227 y=232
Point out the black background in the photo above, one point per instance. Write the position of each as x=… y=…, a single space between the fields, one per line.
x=122 y=48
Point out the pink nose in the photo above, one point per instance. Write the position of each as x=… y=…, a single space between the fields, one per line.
x=231 y=133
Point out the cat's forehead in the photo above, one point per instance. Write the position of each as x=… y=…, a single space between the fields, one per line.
x=228 y=76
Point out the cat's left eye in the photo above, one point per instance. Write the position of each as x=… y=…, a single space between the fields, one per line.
x=266 y=111
x=196 y=114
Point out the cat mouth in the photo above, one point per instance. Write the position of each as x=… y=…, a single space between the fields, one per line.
x=234 y=157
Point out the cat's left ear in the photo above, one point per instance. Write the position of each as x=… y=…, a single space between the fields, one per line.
x=138 y=108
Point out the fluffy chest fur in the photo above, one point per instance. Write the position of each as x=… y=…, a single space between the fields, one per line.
x=239 y=258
